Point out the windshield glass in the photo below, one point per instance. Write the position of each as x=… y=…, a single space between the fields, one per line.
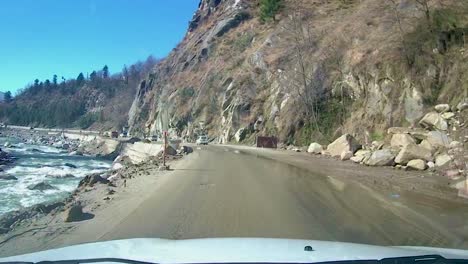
x=293 y=121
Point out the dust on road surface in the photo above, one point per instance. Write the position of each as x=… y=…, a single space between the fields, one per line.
x=221 y=192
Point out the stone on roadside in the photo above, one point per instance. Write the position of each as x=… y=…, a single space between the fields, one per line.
x=448 y=115
x=361 y=156
x=463 y=105
x=346 y=155
x=401 y=140
x=455 y=144
x=74 y=213
x=442 y=160
x=117 y=166
x=452 y=174
x=344 y=143
x=170 y=150
x=411 y=152
x=377 y=145
x=425 y=144
x=383 y=157
x=92 y=179
x=417 y=164
x=430 y=164
x=434 y=120
x=315 y=148
x=442 y=108
x=438 y=139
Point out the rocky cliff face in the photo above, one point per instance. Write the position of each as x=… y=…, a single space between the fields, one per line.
x=318 y=69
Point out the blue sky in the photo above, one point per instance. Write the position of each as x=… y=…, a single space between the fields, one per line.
x=40 y=38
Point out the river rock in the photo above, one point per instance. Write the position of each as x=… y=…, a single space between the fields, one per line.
x=315 y=148
x=70 y=165
x=344 y=143
x=442 y=160
x=417 y=164
x=434 y=120
x=411 y=152
x=383 y=157
x=438 y=139
x=401 y=140
x=75 y=153
x=8 y=178
x=92 y=179
x=7 y=144
x=41 y=187
x=74 y=213
x=442 y=108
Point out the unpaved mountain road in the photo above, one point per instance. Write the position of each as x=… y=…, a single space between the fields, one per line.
x=234 y=191
x=223 y=192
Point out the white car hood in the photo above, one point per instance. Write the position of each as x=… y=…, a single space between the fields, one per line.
x=221 y=250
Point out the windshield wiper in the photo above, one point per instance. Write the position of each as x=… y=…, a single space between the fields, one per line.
x=78 y=261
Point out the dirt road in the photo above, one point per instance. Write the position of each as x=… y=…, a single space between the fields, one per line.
x=221 y=192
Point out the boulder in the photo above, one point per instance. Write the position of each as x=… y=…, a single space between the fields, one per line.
x=384 y=157
x=455 y=144
x=7 y=144
x=448 y=115
x=92 y=179
x=117 y=166
x=463 y=105
x=186 y=150
x=8 y=178
x=346 y=155
x=438 y=139
x=417 y=164
x=425 y=144
x=442 y=108
x=401 y=140
x=315 y=148
x=41 y=187
x=442 y=160
x=417 y=133
x=376 y=145
x=170 y=150
x=434 y=120
x=361 y=155
x=411 y=152
x=452 y=174
x=240 y=134
x=344 y=143
x=74 y=213
x=70 y=165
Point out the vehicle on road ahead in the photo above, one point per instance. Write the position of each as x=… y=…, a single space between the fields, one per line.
x=239 y=250
x=202 y=140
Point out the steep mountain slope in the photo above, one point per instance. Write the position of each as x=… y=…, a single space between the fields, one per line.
x=316 y=69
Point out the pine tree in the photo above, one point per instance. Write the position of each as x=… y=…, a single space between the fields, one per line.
x=80 y=79
x=269 y=8
x=7 y=97
x=105 y=72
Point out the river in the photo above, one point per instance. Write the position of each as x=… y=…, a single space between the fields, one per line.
x=36 y=164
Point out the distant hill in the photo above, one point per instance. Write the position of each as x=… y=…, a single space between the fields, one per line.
x=98 y=101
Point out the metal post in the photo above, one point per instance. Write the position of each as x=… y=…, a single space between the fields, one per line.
x=164 y=150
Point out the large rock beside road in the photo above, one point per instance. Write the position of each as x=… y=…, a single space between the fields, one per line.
x=240 y=134
x=442 y=160
x=315 y=148
x=361 y=156
x=411 y=152
x=342 y=144
x=417 y=133
x=346 y=155
x=438 y=139
x=442 y=108
x=427 y=145
x=383 y=157
x=92 y=179
x=401 y=140
x=417 y=164
x=434 y=120
x=74 y=213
